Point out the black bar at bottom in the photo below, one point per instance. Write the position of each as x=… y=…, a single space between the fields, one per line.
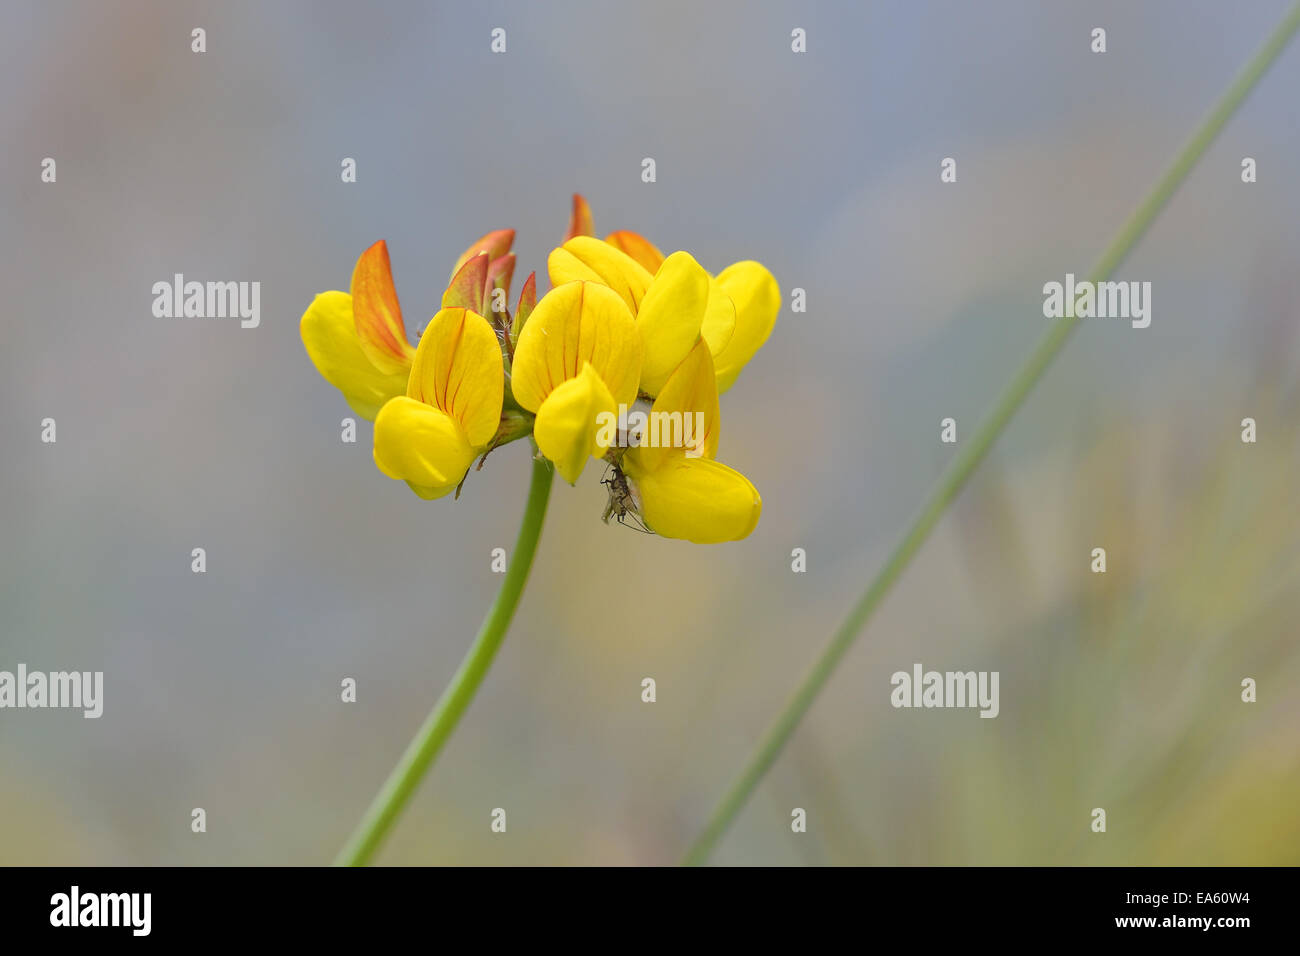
x=658 y=906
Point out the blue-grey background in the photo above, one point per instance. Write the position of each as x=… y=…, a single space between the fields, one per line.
x=222 y=690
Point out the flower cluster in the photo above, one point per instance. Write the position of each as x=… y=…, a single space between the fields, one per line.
x=623 y=326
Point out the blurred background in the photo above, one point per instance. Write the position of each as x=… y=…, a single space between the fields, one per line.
x=222 y=690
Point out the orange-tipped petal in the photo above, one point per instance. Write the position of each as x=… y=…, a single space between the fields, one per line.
x=377 y=313
x=638 y=247
x=527 y=302
x=500 y=272
x=496 y=244
x=329 y=334
x=468 y=286
x=580 y=221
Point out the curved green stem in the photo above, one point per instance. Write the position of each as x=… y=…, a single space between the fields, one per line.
x=952 y=480
x=438 y=726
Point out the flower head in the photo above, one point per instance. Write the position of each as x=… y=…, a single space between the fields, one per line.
x=623 y=325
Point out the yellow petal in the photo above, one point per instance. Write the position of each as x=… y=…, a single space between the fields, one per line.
x=329 y=334
x=573 y=324
x=570 y=421
x=670 y=318
x=638 y=247
x=687 y=406
x=377 y=313
x=430 y=492
x=458 y=370
x=758 y=299
x=421 y=445
x=587 y=259
x=719 y=319
x=698 y=500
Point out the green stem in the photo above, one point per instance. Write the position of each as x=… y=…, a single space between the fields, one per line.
x=952 y=480
x=438 y=726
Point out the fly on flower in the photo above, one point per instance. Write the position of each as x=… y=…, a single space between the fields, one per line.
x=622 y=504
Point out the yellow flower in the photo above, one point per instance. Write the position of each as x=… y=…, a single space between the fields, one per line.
x=452 y=407
x=578 y=355
x=622 y=323
x=673 y=308
x=358 y=342
x=683 y=492
x=741 y=307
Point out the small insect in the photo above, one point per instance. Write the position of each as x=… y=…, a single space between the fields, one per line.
x=622 y=502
